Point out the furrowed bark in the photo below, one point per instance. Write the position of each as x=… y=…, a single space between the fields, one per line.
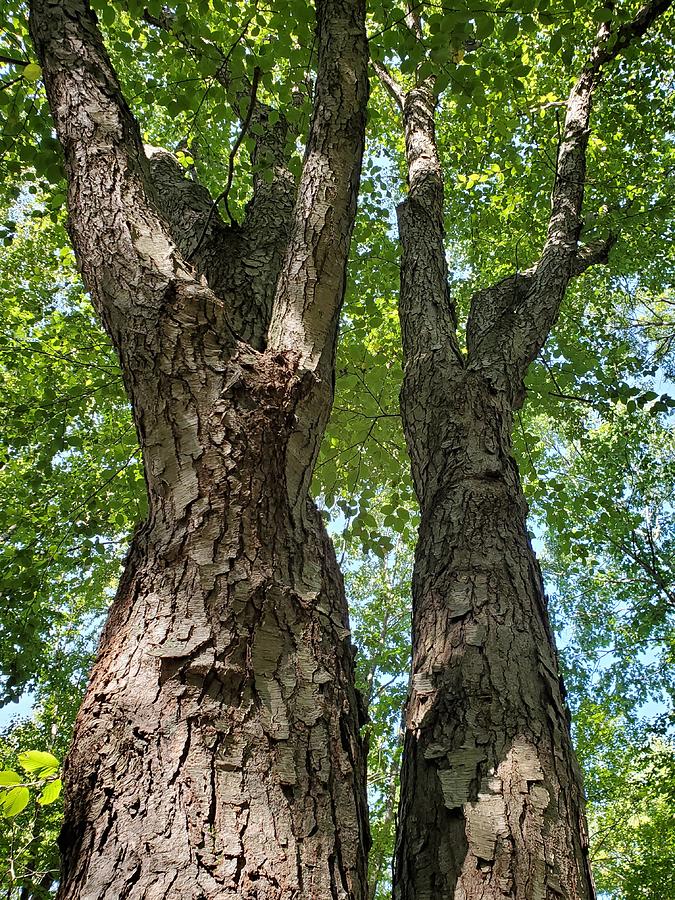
x=217 y=753
x=491 y=801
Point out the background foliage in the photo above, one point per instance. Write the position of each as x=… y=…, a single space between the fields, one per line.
x=595 y=438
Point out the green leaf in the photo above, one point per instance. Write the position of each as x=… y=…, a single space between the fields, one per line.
x=15 y=801
x=51 y=792
x=8 y=777
x=32 y=72
x=39 y=762
x=484 y=25
x=568 y=54
x=556 y=41
x=511 y=29
x=108 y=14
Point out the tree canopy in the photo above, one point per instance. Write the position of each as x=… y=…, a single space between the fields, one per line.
x=595 y=438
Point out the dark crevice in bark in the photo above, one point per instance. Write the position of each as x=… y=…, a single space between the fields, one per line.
x=240 y=262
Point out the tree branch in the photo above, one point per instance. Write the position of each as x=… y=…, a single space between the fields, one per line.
x=312 y=281
x=413 y=20
x=242 y=134
x=609 y=47
x=242 y=266
x=129 y=261
x=513 y=339
x=185 y=204
x=428 y=320
x=389 y=83
x=594 y=254
x=270 y=142
x=568 y=193
x=11 y=61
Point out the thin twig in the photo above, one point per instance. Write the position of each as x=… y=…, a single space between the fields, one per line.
x=230 y=169
x=10 y=61
x=389 y=82
x=242 y=135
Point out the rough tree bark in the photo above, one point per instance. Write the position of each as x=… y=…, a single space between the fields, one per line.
x=491 y=799
x=217 y=752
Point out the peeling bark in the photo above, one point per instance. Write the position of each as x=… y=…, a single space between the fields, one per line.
x=217 y=752
x=491 y=798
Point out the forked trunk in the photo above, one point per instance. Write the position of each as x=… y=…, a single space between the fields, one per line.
x=217 y=752
x=491 y=801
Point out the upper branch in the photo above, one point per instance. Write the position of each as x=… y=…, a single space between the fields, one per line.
x=413 y=20
x=510 y=322
x=609 y=47
x=568 y=192
x=129 y=262
x=312 y=281
x=425 y=175
x=428 y=321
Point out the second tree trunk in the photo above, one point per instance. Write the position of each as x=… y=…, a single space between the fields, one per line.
x=491 y=801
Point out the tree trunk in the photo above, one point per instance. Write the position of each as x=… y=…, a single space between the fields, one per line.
x=491 y=799
x=217 y=752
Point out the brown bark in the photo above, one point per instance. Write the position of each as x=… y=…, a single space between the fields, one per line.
x=491 y=798
x=491 y=795
x=217 y=752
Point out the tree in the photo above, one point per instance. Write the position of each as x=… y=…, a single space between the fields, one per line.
x=223 y=685
x=375 y=502
x=486 y=718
